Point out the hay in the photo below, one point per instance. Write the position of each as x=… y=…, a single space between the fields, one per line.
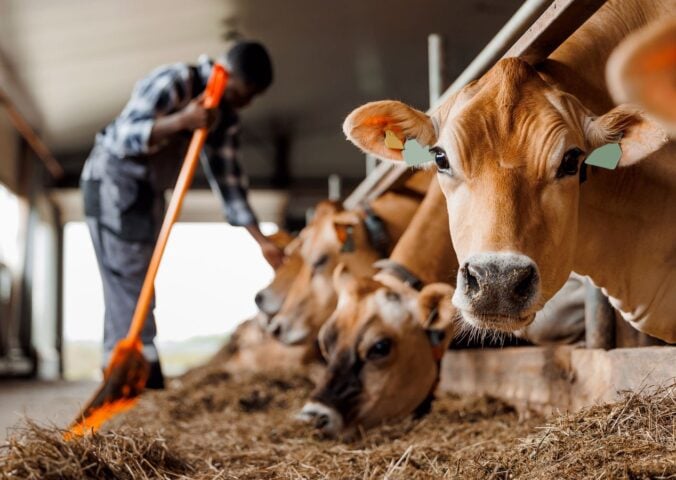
x=213 y=424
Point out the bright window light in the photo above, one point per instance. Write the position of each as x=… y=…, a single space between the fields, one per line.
x=205 y=287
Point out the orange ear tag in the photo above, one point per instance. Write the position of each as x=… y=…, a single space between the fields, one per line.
x=392 y=141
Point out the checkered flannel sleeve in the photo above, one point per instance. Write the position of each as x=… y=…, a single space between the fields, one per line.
x=227 y=179
x=166 y=90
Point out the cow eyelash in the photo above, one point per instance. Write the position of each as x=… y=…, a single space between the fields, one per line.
x=570 y=163
x=441 y=160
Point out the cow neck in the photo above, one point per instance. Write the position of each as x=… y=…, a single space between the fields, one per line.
x=626 y=220
x=376 y=231
x=625 y=240
x=396 y=211
x=425 y=249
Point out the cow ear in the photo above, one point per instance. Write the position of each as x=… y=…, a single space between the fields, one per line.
x=327 y=337
x=639 y=136
x=437 y=313
x=642 y=70
x=367 y=125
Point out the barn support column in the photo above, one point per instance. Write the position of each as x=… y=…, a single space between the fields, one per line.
x=599 y=319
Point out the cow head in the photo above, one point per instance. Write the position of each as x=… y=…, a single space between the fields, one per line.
x=642 y=69
x=383 y=347
x=508 y=150
x=269 y=300
x=333 y=235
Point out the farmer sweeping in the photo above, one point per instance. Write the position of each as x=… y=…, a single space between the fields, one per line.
x=137 y=157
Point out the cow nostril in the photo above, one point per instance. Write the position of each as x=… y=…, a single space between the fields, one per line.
x=258 y=299
x=524 y=285
x=471 y=280
x=321 y=421
x=277 y=331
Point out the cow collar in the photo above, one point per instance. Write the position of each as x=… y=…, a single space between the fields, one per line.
x=399 y=271
x=376 y=231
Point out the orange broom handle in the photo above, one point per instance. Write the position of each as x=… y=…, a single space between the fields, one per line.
x=213 y=93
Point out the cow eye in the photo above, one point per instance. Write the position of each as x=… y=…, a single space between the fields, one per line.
x=320 y=262
x=380 y=349
x=569 y=163
x=440 y=158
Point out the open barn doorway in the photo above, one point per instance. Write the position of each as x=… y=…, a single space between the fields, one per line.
x=206 y=285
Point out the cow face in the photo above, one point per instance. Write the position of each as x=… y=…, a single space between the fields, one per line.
x=269 y=300
x=333 y=235
x=382 y=364
x=508 y=150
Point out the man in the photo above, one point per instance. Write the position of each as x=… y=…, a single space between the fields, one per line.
x=138 y=156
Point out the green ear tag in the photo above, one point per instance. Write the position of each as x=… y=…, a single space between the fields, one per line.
x=415 y=154
x=607 y=156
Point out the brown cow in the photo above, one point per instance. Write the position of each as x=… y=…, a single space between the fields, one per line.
x=336 y=235
x=382 y=365
x=509 y=150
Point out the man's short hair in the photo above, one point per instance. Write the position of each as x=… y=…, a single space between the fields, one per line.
x=250 y=61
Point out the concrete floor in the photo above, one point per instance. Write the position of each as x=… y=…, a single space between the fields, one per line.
x=46 y=402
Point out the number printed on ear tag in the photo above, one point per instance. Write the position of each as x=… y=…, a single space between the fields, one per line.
x=607 y=156
x=415 y=154
x=392 y=141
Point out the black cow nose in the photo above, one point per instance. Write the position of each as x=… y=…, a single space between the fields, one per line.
x=259 y=300
x=499 y=283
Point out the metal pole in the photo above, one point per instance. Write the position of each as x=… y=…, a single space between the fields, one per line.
x=503 y=40
x=334 y=187
x=437 y=67
x=599 y=319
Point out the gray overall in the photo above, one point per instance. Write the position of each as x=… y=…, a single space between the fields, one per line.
x=124 y=207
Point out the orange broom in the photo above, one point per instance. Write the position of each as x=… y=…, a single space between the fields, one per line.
x=127 y=372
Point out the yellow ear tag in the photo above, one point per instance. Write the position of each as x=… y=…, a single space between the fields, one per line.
x=392 y=141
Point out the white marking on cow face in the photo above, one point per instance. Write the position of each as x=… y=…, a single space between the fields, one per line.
x=324 y=418
x=391 y=307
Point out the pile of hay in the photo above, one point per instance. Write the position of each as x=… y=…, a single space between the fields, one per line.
x=211 y=424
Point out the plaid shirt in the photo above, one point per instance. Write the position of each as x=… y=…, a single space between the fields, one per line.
x=165 y=91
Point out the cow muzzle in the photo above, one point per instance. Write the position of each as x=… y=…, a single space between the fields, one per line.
x=323 y=418
x=267 y=302
x=497 y=290
x=285 y=331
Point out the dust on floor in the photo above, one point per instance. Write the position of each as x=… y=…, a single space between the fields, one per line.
x=211 y=424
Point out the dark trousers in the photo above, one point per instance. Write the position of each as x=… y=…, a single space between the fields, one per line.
x=122 y=265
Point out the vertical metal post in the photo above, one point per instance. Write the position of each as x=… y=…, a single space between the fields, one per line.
x=334 y=187
x=599 y=319
x=436 y=67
